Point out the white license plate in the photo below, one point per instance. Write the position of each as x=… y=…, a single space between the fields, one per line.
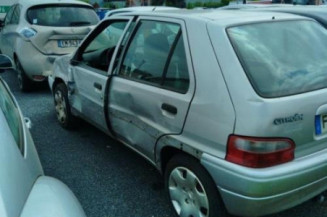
x=68 y=43
x=321 y=124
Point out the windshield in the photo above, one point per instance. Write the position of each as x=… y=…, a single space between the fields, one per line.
x=282 y=58
x=62 y=15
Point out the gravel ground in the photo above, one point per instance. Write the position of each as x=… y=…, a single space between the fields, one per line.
x=109 y=179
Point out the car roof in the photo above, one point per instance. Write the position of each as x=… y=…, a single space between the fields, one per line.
x=222 y=17
x=250 y=6
x=29 y=3
x=140 y=8
x=318 y=13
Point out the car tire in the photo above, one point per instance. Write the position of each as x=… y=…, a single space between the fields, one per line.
x=191 y=190
x=62 y=107
x=25 y=84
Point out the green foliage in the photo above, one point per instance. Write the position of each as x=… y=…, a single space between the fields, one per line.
x=87 y=1
x=175 y=3
x=109 y=5
x=157 y=2
x=207 y=4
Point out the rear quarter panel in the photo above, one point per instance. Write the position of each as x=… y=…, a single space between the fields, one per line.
x=211 y=116
x=258 y=116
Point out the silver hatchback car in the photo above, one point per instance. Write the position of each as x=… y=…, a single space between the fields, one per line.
x=231 y=106
x=35 y=32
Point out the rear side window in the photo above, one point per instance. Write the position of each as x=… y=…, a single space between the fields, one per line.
x=62 y=15
x=282 y=58
x=12 y=116
x=156 y=56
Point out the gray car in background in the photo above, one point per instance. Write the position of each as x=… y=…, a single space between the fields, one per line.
x=35 y=32
x=24 y=189
x=231 y=106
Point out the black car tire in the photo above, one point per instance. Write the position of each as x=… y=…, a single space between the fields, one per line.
x=25 y=84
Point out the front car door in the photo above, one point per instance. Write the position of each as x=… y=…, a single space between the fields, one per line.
x=89 y=71
x=151 y=92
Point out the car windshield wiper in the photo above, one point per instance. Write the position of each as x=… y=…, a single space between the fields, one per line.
x=80 y=23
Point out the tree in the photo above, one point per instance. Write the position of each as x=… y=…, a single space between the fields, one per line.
x=176 y=3
x=86 y=1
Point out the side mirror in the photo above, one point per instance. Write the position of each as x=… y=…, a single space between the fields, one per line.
x=5 y=63
x=28 y=122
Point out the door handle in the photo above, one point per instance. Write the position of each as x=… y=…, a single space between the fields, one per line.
x=97 y=86
x=169 y=108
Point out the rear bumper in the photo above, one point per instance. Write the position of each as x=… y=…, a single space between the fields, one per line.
x=257 y=192
x=51 y=82
x=35 y=63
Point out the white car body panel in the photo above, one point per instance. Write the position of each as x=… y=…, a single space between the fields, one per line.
x=24 y=190
x=49 y=197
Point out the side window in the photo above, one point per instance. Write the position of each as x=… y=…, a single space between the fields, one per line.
x=177 y=77
x=156 y=55
x=9 y=15
x=15 y=16
x=99 y=51
x=123 y=44
x=12 y=116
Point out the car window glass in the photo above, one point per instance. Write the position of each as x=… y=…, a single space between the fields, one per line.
x=177 y=76
x=293 y=62
x=100 y=50
x=12 y=116
x=123 y=44
x=62 y=15
x=15 y=16
x=9 y=15
x=148 y=51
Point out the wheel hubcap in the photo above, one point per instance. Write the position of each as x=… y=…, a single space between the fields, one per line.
x=60 y=106
x=187 y=194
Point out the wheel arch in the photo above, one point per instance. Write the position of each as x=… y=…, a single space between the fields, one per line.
x=57 y=81
x=167 y=152
x=15 y=57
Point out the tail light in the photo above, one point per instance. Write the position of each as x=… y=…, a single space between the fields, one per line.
x=259 y=152
x=38 y=77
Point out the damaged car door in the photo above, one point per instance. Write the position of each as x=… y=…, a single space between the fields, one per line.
x=150 y=94
x=88 y=73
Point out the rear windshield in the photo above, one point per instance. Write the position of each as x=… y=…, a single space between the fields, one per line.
x=282 y=58
x=62 y=15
